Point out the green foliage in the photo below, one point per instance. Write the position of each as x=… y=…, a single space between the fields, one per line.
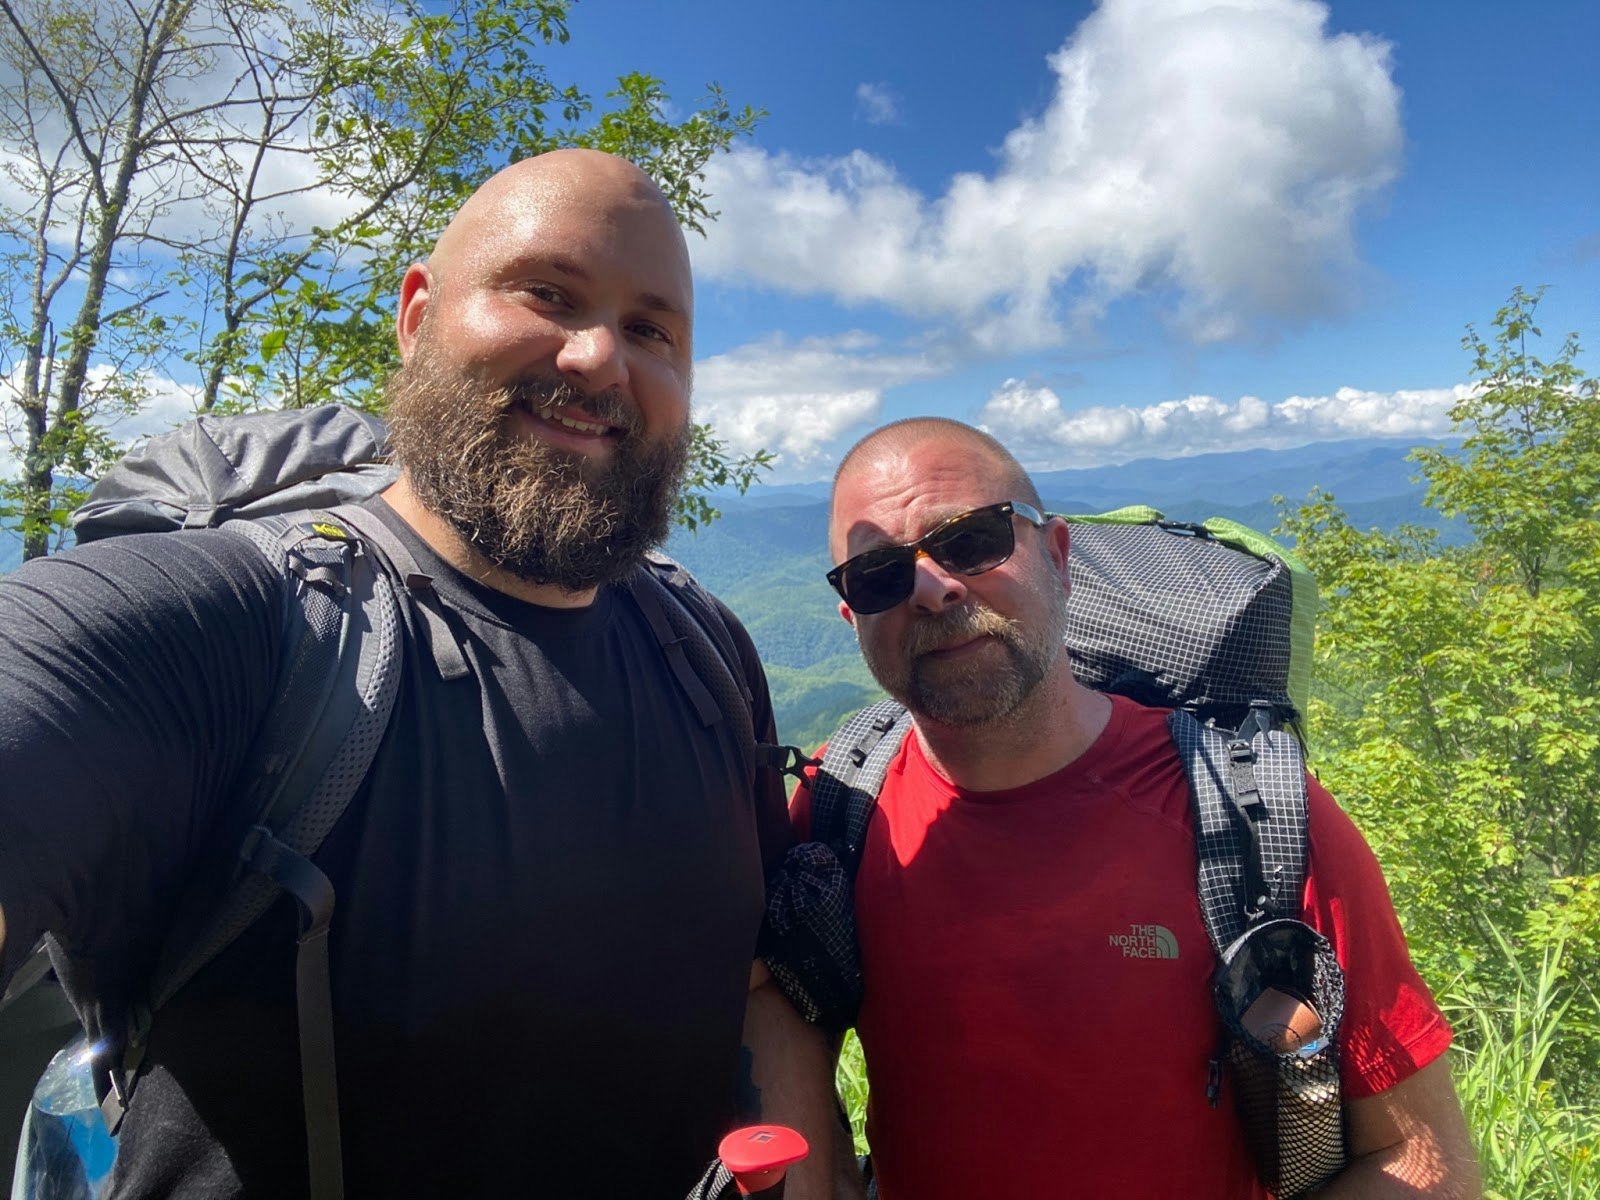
x=810 y=703
x=115 y=118
x=711 y=467
x=1457 y=710
x=851 y=1081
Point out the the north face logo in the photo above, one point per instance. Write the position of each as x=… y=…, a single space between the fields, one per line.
x=1146 y=941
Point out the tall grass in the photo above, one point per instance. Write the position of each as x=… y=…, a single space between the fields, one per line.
x=1535 y=1141
x=851 y=1080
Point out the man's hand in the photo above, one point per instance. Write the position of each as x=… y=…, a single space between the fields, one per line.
x=791 y=1078
x=1409 y=1141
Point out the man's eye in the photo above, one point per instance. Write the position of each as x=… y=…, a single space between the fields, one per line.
x=546 y=293
x=645 y=329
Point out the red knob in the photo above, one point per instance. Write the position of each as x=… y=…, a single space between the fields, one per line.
x=757 y=1155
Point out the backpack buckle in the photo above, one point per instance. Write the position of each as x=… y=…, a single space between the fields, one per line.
x=785 y=760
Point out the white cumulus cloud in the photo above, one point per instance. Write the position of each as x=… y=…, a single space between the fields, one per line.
x=795 y=398
x=1033 y=423
x=1213 y=155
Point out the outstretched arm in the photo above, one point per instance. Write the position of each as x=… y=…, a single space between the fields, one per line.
x=1410 y=1141
x=791 y=1071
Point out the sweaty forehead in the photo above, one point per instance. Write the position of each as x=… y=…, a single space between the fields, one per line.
x=895 y=494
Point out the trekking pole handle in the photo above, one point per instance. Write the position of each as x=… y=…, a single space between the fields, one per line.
x=757 y=1157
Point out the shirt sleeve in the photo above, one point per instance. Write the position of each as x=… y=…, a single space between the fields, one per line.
x=134 y=674
x=1392 y=1026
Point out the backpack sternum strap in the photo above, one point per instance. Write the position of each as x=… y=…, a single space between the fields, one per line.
x=1248 y=796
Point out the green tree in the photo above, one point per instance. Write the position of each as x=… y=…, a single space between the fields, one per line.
x=158 y=153
x=1457 y=712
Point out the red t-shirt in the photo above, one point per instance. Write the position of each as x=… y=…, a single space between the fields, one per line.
x=1038 y=1018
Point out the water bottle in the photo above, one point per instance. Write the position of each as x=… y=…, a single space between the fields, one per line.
x=66 y=1150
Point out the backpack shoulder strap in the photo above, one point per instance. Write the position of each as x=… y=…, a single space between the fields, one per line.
x=704 y=658
x=809 y=936
x=1247 y=791
x=844 y=792
x=333 y=699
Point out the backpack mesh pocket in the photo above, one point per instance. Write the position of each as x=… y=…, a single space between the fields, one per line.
x=1284 y=1069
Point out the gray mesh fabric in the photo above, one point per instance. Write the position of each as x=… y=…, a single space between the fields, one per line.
x=808 y=939
x=1187 y=621
x=347 y=669
x=1289 y=1104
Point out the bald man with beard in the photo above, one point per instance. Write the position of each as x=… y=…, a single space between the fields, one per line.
x=550 y=883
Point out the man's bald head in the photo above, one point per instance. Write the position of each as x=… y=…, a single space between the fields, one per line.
x=899 y=437
x=605 y=185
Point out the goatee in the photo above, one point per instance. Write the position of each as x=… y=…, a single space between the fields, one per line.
x=543 y=514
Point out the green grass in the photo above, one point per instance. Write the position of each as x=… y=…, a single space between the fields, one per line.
x=1535 y=1141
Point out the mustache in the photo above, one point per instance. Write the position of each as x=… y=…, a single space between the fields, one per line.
x=955 y=626
x=609 y=405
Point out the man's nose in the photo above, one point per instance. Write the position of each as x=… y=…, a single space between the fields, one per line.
x=935 y=588
x=593 y=354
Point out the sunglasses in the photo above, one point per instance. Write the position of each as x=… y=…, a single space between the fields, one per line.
x=969 y=543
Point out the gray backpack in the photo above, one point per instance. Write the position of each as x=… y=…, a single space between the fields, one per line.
x=1214 y=621
x=292 y=482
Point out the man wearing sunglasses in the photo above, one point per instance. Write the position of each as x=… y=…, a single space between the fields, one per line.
x=1037 y=1017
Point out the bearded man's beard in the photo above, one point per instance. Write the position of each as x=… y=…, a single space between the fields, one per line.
x=971 y=693
x=544 y=514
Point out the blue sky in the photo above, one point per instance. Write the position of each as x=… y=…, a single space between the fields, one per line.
x=1139 y=228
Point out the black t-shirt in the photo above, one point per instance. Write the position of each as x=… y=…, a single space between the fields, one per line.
x=549 y=886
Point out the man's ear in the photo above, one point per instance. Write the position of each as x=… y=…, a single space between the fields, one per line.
x=415 y=290
x=1058 y=543
x=849 y=617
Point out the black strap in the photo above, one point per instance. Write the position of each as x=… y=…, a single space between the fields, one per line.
x=302 y=879
x=646 y=592
x=1248 y=810
x=1248 y=795
x=785 y=760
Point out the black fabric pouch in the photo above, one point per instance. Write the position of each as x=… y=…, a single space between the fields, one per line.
x=1280 y=992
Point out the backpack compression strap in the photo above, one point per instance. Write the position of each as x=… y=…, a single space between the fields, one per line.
x=808 y=939
x=1247 y=790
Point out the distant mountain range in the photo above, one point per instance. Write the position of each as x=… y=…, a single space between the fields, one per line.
x=767 y=554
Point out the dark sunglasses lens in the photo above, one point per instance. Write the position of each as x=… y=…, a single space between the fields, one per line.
x=878 y=580
x=974 y=543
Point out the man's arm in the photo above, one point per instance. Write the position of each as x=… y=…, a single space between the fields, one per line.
x=133 y=674
x=1409 y=1141
x=790 y=1066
